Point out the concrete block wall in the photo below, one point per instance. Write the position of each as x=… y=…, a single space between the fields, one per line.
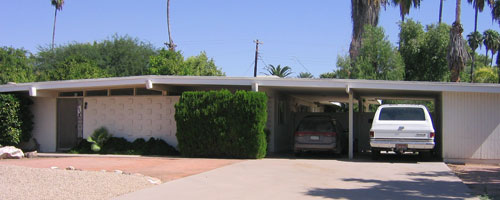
x=132 y=117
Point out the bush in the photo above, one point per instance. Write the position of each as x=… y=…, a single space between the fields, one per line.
x=16 y=119
x=222 y=124
x=98 y=138
x=10 y=123
x=119 y=145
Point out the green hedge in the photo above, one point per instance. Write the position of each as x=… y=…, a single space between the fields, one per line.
x=16 y=120
x=119 y=145
x=222 y=124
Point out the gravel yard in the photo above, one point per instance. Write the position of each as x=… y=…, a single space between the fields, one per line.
x=482 y=179
x=42 y=183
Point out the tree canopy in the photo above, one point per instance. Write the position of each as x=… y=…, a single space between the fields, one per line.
x=15 y=66
x=378 y=59
x=424 y=51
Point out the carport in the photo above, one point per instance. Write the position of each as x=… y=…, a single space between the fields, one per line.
x=351 y=92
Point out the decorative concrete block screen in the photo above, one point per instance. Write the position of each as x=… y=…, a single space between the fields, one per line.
x=132 y=117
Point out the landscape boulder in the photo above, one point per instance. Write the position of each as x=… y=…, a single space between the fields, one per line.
x=11 y=152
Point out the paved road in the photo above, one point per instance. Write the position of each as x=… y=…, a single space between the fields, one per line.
x=314 y=179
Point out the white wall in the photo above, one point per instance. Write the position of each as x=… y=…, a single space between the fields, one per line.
x=132 y=117
x=45 y=123
x=471 y=126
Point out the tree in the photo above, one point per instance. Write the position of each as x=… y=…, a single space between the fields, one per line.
x=305 y=75
x=328 y=75
x=377 y=59
x=457 y=54
x=495 y=11
x=171 y=46
x=15 y=66
x=117 y=56
x=485 y=75
x=363 y=12
x=278 y=71
x=440 y=11
x=58 y=4
x=491 y=41
x=424 y=52
x=478 y=5
x=169 y=62
x=74 y=67
x=475 y=40
x=405 y=6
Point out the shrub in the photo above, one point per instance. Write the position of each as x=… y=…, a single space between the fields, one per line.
x=222 y=124
x=116 y=145
x=10 y=123
x=16 y=119
x=98 y=138
x=157 y=147
x=119 y=145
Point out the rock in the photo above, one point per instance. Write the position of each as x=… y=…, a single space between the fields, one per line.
x=11 y=152
x=32 y=154
x=153 y=180
x=54 y=167
x=103 y=170
x=137 y=174
x=118 y=171
x=70 y=168
x=31 y=145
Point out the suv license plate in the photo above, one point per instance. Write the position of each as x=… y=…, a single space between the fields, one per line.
x=402 y=146
x=314 y=137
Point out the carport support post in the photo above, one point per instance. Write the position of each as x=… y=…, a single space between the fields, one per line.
x=351 y=125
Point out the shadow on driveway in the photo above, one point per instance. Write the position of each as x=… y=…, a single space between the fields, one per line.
x=415 y=189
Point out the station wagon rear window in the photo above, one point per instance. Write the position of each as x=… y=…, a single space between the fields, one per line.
x=316 y=125
x=402 y=113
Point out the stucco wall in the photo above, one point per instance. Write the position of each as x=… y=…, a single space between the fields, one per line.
x=471 y=126
x=44 y=130
x=132 y=117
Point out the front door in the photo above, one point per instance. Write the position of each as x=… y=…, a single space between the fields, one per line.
x=69 y=113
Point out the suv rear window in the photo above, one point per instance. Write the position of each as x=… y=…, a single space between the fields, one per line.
x=402 y=113
x=316 y=125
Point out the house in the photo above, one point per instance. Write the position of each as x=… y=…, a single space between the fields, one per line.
x=466 y=116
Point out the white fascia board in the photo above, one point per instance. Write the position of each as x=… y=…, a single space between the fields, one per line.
x=426 y=86
x=202 y=81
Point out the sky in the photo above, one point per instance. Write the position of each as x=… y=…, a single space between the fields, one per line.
x=305 y=35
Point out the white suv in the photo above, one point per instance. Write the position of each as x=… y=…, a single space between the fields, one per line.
x=401 y=128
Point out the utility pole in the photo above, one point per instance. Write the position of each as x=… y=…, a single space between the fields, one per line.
x=256 y=56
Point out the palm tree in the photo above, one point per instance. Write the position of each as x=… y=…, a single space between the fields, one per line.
x=491 y=40
x=475 y=40
x=405 y=5
x=495 y=11
x=363 y=12
x=305 y=75
x=440 y=11
x=171 y=46
x=457 y=54
x=478 y=5
x=278 y=71
x=58 y=4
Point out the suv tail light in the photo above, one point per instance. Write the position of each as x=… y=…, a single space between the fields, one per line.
x=372 y=134
x=432 y=134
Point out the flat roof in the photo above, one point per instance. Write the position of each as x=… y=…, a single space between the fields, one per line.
x=271 y=82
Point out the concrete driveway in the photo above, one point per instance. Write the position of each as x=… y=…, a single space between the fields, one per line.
x=314 y=179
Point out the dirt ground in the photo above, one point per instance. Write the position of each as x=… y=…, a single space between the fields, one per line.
x=482 y=179
x=166 y=169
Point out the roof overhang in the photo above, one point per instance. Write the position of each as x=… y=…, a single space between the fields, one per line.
x=362 y=87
